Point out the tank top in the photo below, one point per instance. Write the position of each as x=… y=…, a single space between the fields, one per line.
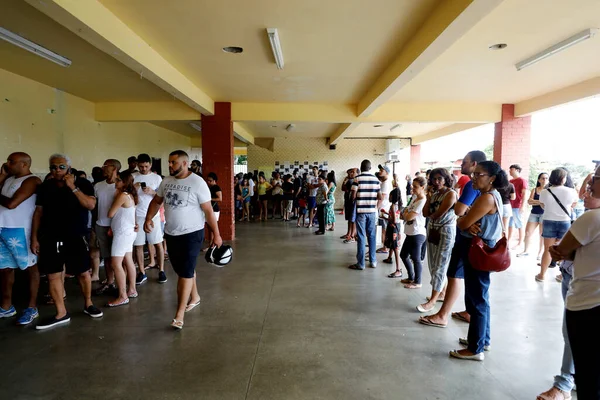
x=536 y=209
x=21 y=216
x=277 y=190
x=123 y=223
x=449 y=218
x=491 y=225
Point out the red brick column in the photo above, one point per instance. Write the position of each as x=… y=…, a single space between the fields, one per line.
x=217 y=157
x=415 y=159
x=512 y=140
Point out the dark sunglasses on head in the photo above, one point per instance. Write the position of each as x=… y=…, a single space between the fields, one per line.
x=61 y=167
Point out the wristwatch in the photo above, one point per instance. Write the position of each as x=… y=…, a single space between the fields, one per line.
x=76 y=190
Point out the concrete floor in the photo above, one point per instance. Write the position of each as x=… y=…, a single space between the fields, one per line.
x=288 y=320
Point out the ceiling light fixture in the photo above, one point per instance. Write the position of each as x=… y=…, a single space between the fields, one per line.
x=565 y=44
x=395 y=127
x=233 y=49
x=498 y=46
x=275 y=46
x=196 y=126
x=290 y=127
x=34 y=48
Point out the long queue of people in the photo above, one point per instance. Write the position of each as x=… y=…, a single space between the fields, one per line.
x=441 y=220
x=65 y=224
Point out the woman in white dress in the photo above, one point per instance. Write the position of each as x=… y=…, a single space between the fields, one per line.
x=124 y=229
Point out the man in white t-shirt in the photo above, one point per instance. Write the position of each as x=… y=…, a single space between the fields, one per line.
x=188 y=207
x=105 y=194
x=251 y=185
x=581 y=244
x=147 y=183
x=384 y=203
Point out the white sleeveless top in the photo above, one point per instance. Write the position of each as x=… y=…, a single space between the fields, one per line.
x=123 y=223
x=21 y=216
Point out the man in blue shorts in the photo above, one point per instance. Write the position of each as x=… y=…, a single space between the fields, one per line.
x=456 y=271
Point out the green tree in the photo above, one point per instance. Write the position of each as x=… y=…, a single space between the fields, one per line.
x=489 y=152
x=241 y=160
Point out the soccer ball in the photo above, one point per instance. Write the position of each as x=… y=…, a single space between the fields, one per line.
x=219 y=256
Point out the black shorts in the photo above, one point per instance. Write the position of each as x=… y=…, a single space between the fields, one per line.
x=73 y=253
x=263 y=197
x=183 y=252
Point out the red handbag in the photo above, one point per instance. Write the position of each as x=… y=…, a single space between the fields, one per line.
x=490 y=259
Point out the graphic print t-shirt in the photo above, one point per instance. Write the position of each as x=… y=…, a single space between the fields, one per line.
x=182 y=199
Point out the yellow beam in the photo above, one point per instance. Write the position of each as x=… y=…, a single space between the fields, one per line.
x=445 y=131
x=293 y=112
x=579 y=91
x=95 y=23
x=448 y=23
x=391 y=112
x=342 y=131
x=151 y=111
x=437 y=112
x=242 y=133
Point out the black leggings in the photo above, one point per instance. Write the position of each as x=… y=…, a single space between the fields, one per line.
x=321 y=217
x=586 y=351
x=411 y=249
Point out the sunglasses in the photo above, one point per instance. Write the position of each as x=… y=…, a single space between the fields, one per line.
x=62 y=167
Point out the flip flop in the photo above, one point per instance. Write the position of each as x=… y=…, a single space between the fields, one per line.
x=459 y=317
x=438 y=300
x=393 y=275
x=381 y=251
x=538 y=279
x=147 y=267
x=133 y=296
x=190 y=307
x=122 y=303
x=413 y=286
x=355 y=267
x=177 y=324
x=388 y=261
x=349 y=241
x=428 y=322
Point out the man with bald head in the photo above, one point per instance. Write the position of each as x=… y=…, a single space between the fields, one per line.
x=187 y=201
x=60 y=236
x=17 y=204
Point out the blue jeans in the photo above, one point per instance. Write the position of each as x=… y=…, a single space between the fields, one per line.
x=366 y=225
x=566 y=380
x=477 y=300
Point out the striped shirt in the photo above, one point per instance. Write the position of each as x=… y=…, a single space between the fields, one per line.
x=367 y=188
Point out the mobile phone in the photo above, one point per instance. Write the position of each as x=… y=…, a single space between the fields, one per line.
x=597 y=162
x=143 y=185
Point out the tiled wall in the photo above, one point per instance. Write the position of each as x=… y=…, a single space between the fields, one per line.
x=349 y=153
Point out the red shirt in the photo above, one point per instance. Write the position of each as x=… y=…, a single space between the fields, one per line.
x=520 y=185
x=462 y=181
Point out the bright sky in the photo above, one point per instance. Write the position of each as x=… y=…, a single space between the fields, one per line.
x=569 y=133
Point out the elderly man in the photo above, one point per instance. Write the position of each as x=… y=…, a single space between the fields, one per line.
x=60 y=236
x=17 y=204
x=188 y=207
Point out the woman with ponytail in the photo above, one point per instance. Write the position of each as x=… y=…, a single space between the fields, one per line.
x=484 y=219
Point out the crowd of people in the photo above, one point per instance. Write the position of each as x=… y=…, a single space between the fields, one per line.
x=66 y=225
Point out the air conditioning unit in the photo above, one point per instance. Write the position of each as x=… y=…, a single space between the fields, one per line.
x=392 y=149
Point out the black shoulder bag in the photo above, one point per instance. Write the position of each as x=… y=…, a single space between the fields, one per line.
x=561 y=205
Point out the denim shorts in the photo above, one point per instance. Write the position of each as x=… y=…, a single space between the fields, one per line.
x=555 y=229
x=456 y=267
x=515 y=221
x=536 y=218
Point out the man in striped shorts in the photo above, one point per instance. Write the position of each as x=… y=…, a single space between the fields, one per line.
x=367 y=193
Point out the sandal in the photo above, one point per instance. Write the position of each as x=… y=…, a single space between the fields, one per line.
x=133 y=295
x=406 y=280
x=177 y=324
x=415 y=286
x=393 y=275
x=382 y=251
x=460 y=317
x=388 y=261
x=347 y=241
x=427 y=321
x=191 y=306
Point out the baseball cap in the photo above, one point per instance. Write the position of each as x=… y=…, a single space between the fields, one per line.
x=384 y=167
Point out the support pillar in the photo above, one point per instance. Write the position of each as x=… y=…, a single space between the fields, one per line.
x=217 y=157
x=512 y=140
x=415 y=159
